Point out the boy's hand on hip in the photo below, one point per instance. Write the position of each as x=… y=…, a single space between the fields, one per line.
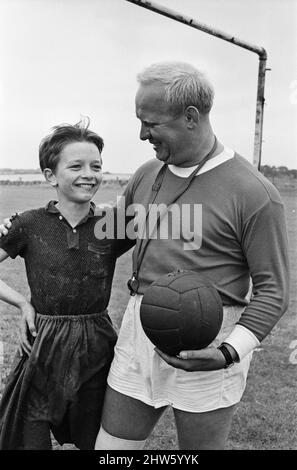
x=203 y=359
x=27 y=327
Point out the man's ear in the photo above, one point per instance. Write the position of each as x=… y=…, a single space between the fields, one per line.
x=192 y=116
x=50 y=177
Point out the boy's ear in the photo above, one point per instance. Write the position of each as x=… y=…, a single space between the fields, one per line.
x=50 y=177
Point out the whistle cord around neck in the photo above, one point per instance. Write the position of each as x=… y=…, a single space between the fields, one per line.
x=133 y=283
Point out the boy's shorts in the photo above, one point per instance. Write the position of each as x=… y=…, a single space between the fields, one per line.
x=62 y=382
x=139 y=372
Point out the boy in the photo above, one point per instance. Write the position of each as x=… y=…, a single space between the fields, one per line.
x=59 y=383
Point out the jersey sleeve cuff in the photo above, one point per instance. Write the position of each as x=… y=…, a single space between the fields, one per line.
x=242 y=340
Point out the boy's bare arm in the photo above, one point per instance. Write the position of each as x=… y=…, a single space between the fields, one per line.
x=12 y=297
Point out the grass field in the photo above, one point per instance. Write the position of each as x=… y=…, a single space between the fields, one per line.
x=266 y=418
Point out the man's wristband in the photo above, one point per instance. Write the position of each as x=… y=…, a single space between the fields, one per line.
x=227 y=355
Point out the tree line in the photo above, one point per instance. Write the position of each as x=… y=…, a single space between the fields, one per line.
x=280 y=171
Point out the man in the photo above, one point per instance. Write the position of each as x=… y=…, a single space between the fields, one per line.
x=242 y=236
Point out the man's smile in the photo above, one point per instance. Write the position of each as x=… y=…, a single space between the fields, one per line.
x=156 y=145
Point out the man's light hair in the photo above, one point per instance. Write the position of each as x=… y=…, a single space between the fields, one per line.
x=184 y=85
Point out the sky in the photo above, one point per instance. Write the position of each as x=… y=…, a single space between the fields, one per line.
x=61 y=59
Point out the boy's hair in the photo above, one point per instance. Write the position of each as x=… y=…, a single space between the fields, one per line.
x=52 y=145
x=184 y=85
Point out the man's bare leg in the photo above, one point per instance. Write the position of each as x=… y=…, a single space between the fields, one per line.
x=208 y=430
x=127 y=419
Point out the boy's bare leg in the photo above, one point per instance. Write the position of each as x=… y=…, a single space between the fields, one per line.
x=127 y=418
x=201 y=431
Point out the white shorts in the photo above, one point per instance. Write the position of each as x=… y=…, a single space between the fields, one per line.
x=139 y=372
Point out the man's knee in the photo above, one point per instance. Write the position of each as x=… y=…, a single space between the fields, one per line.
x=106 y=441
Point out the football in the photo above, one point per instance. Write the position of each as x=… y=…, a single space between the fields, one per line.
x=181 y=310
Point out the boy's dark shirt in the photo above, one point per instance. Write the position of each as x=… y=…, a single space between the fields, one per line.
x=69 y=270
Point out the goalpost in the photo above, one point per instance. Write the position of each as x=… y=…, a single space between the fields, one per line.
x=260 y=51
